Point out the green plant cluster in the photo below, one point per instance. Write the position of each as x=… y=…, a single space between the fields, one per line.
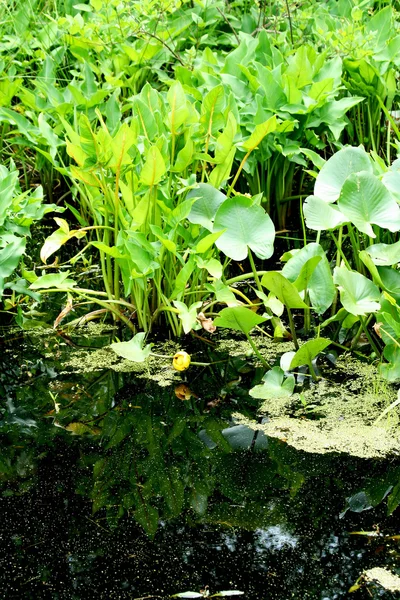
x=181 y=138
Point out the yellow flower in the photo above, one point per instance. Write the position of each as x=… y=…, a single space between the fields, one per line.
x=181 y=361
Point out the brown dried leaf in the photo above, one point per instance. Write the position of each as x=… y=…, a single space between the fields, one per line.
x=206 y=323
x=67 y=308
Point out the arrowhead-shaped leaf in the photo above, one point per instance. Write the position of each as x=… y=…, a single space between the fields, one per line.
x=238 y=318
x=133 y=350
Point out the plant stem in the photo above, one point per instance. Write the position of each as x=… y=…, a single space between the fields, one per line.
x=257 y=353
x=292 y=328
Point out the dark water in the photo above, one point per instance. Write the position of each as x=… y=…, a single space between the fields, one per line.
x=129 y=492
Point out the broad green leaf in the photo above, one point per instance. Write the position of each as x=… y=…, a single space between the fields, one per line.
x=134 y=349
x=358 y=294
x=319 y=282
x=308 y=351
x=205 y=208
x=213 y=266
x=53 y=280
x=188 y=315
x=206 y=243
x=283 y=289
x=10 y=254
x=238 y=318
x=7 y=191
x=275 y=385
x=390 y=370
x=364 y=201
x=246 y=226
x=154 y=168
x=321 y=216
x=385 y=254
x=336 y=170
x=259 y=133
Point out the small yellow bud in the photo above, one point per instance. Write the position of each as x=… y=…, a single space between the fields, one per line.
x=181 y=361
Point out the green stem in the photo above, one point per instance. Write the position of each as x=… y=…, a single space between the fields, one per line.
x=253 y=268
x=292 y=328
x=257 y=353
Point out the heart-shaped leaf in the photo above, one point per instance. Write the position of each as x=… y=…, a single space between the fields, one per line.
x=337 y=169
x=321 y=216
x=238 y=318
x=275 y=385
x=385 y=254
x=133 y=350
x=283 y=289
x=365 y=201
x=188 y=315
x=246 y=226
x=308 y=351
x=205 y=207
x=358 y=294
x=317 y=277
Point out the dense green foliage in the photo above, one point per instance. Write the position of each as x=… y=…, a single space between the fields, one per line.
x=178 y=137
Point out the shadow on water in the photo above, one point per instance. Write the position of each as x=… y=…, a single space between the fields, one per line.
x=114 y=487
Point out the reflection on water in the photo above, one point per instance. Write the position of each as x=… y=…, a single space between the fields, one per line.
x=113 y=487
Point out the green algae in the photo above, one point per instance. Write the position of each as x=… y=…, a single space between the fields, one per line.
x=336 y=415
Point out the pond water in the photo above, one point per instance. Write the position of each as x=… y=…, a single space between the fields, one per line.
x=113 y=486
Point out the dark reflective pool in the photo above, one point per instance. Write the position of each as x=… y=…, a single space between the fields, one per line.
x=112 y=486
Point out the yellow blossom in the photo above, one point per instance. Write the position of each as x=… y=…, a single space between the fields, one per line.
x=181 y=361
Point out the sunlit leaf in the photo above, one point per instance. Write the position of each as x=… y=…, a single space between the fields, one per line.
x=133 y=350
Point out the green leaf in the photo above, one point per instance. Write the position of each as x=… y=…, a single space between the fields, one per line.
x=154 y=168
x=238 y=318
x=246 y=226
x=259 y=133
x=317 y=278
x=283 y=289
x=212 y=265
x=188 y=315
x=206 y=243
x=393 y=499
x=321 y=216
x=336 y=170
x=58 y=238
x=10 y=254
x=358 y=294
x=308 y=351
x=364 y=201
x=385 y=254
x=56 y=280
x=391 y=370
x=275 y=385
x=206 y=205
x=179 y=111
x=133 y=350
